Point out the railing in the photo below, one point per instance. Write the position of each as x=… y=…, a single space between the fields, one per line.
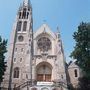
x=31 y=84
x=60 y=84
x=28 y=83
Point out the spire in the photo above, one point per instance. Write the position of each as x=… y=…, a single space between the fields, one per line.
x=26 y=2
x=58 y=33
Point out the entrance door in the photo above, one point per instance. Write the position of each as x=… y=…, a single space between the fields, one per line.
x=44 y=77
x=48 y=77
x=40 y=77
x=44 y=73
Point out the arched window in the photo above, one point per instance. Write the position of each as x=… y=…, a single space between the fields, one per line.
x=20 y=14
x=16 y=72
x=24 y=26
x=27 y=14
x=24 y=13
x=62 y=76
x=19 y=25
x=75 y=72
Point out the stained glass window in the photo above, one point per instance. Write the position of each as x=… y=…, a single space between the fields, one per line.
x=44 y=44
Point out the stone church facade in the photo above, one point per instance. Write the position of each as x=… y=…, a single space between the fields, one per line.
x=36 y=60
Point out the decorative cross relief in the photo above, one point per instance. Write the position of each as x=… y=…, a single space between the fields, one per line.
x=26 y=2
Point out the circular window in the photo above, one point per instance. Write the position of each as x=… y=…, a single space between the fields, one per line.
x=20 y=38
x=44 y=44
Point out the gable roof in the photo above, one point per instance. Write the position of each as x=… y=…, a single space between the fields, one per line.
x=73 y=65
x=44 y=29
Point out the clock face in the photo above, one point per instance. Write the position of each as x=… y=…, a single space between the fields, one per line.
x=20 y=38
x=44 y=44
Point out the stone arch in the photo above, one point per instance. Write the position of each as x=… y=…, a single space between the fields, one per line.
x=44 y=88
x=44 y=72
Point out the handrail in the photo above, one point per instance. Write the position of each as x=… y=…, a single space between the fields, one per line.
x=25 y=84
x=29 y=83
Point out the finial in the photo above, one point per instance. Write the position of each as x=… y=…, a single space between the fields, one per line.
x=58 y=30
x=44 y=21
x=26 y=2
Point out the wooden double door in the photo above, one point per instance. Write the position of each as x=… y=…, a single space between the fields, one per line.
x=44 y=73
x=44 y=77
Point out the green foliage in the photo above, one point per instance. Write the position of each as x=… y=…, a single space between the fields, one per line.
x=84 y=83
x=82 y=48
x=3 y=44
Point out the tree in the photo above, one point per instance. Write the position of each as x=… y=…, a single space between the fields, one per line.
x=84 y=83
x=82 y=51
x=3 y=46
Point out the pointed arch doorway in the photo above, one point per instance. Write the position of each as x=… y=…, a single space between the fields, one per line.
x=44 y=72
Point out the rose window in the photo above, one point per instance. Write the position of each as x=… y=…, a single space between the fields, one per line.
x=44 y=44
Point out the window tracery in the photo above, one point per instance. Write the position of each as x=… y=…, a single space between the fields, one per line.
x=24 y=25
x=44 y=44
x=19 y=25
x=24 y=13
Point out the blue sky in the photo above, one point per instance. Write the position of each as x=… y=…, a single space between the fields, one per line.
x=67 y=14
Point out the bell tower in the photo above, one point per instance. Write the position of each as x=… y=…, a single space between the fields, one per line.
x=35 y=60
x=20 y=49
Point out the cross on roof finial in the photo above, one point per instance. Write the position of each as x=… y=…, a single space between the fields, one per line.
x=44 y=20
x=26 y=2
x=58 y=30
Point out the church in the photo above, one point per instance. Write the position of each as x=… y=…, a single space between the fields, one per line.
x=36 y=60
